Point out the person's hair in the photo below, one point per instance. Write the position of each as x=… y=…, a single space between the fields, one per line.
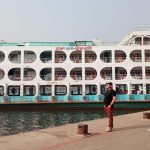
x=109 y=83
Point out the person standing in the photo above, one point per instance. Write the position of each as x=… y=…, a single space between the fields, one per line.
x=109 y=100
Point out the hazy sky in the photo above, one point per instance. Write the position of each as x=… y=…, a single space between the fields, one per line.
x=69 y=20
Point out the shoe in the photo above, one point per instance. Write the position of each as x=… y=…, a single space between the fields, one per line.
x=112 y=129
x=108 y=129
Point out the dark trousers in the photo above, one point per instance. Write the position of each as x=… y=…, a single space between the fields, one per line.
x=109 y=113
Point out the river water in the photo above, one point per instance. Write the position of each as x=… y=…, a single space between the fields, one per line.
x=20 y=121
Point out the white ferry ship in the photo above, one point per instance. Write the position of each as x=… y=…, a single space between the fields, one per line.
x=75 y=71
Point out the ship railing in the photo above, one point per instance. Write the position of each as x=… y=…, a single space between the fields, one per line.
x=28 y=77
x=90 y=59
x=90 y=77
x=60 y=57
x=147 y=59
x=46 y=60
x=76 y=77
x=1 y=77
x=60 y=77
x=106 y=59
x=109 y=43
x=30 y=60
x=76 y=58
x=14 y=77
x=107 y=77
x=2 y=59
x=59 y=60
x=15 y=60
x=146 y=42
x=120 y=76
x=119 y=59
x=137 y=76
x=136 y=43
x=136 y=59
x=46 y=77
x=147 y=76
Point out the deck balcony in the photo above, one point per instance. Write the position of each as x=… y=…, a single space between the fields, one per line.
x=60 y=57
x=29 y=90
x=121 y=89
x=147 y=55
x=76 y=57
x=15 y=57
x=76 y=93
x=106 y=56
x=29 y=57
x=136 y=56
x=136 y=41
x=90 y=73
x=136 y=73
x=2 y=56
x=147 y=71
x=1 y=92
x=120 y=73
x=120 y=56
x=2 y=74
x=60 y=74
x=91 y=93
x=136 y=89
x=121 y=76
x=46 y=57
x=46 y=90
x=46 y=74
x=13 y=90
x=60 y=92
x=14 y=74
x=146 y=41
x=106 y=73
x=76 y=74
x=90 y=89
x=14 y=77
x=90 y=56
x=29 y=74
x=148 y=91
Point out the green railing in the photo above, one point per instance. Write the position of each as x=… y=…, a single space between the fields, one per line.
x=1 y=99
x=51 y=43
x=75 y=98
x=87 y=43
x=45 y=98
x=61 y=98
x=22 y=98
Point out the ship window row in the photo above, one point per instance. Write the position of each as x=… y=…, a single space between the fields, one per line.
x=76 y=56
x=76 y=73
x=139 y=40
x=46 y=90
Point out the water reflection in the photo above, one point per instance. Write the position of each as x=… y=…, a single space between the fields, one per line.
x=15 y=122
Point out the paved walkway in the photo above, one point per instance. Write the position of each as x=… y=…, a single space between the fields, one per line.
x=131 y=133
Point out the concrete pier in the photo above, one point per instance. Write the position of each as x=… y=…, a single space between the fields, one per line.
x=131 y=133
